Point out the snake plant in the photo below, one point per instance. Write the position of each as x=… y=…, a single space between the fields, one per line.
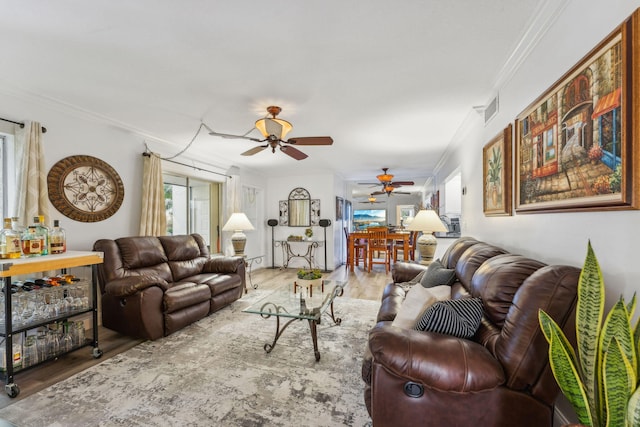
x=600 y=376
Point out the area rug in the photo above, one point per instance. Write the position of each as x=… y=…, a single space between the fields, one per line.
x=216 y=373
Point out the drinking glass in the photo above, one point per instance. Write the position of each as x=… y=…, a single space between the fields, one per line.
x=67 y=339
x=53 y=342
x=30 y=353
x=42 y=345
x=78 y=333
x=17 y=307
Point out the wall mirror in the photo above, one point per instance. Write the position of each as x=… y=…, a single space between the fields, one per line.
x=299 y=210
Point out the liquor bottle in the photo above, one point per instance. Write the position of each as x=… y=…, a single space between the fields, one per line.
x=32 y=242
x=57 y=239
x=44 y=231
x=16 y=226
x=9 y=241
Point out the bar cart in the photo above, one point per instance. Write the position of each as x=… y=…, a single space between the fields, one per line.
x=40 y=305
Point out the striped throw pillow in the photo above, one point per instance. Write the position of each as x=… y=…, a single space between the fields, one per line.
x=459 y=318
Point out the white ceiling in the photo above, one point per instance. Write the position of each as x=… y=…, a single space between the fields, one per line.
x=391 y=82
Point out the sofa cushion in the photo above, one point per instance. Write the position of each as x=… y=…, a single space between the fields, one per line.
x=218 y=283
x=140 y=252
x=418 y=300
x=185 y=294
x=437 y=275
x=460 y=318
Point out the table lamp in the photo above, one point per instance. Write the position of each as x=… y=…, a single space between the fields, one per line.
x=428 y=222
x=238 y=222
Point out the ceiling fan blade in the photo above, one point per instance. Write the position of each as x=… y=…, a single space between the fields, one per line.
x=399 y=192
x=229 y=136
x=254 y=150
x=293 y=152
x=311 y=140
x=376 y=193
x=400 y=183
x=369 y=183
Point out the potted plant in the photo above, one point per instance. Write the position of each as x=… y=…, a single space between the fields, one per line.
x=309 y=274
x=600 y=378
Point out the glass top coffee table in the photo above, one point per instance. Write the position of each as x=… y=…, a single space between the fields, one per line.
x=299 y=301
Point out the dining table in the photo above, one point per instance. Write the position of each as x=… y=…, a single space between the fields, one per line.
x=395 y=236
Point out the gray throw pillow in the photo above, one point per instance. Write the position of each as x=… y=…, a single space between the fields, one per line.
x=437 y=275
x=460 y=317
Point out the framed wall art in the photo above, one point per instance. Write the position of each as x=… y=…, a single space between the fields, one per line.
x=577 y=145
x=496 y=174
x=85 y=188
x=339 y=208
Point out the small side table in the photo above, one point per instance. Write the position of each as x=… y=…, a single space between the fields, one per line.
x=248 y=262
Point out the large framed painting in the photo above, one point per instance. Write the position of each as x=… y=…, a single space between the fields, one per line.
x=496 y=174
x=577 y=145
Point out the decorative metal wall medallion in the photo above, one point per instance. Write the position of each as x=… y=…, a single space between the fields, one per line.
x=85 y=188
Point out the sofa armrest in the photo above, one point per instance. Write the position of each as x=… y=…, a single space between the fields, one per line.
x=224 y=264
x=405 y=271
x=438 y=361
x=131 y=285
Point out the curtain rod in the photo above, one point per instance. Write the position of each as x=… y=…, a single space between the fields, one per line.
x=146 y=154
x=44 y=129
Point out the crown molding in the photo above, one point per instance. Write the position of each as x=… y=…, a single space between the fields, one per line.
x=541 y=20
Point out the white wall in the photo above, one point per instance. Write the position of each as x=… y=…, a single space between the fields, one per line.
x=319 y=187
x=68 y=135
x=551 y=237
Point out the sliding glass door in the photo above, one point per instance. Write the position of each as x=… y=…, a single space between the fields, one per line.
x=192 y=206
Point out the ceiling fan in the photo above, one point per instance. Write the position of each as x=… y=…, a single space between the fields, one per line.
x=388 y=184
x=371 y=199
x=274 y=131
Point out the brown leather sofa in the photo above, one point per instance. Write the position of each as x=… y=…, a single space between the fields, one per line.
x=500 y=377
x=153 y=286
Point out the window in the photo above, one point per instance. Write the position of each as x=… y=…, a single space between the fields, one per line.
x=192 y=206
x=8 y=192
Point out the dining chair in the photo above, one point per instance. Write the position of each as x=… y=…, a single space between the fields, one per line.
x=378 y=242
x=360 y=250
x=399 y=247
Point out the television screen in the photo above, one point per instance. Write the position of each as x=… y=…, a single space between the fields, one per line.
x=363 y=218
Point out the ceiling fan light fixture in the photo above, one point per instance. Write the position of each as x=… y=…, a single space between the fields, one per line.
x=272 y=126
x=372 y=199
x=385 y=177
x=388 y=188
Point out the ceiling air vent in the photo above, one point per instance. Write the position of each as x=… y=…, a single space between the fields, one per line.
x=491 y=110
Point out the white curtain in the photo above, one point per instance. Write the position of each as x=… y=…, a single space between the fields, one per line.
x=232 y=203
x=33 y=195
x=153 y=219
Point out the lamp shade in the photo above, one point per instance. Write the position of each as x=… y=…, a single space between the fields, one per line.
x=428 y=222
x=238 y=221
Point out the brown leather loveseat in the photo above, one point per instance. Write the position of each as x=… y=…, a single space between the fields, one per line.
x=153 y=286
x=500 y=376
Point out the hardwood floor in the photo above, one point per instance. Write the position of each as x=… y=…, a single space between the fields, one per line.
x=360 y=284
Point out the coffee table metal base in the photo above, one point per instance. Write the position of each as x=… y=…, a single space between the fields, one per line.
x=313 y=324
